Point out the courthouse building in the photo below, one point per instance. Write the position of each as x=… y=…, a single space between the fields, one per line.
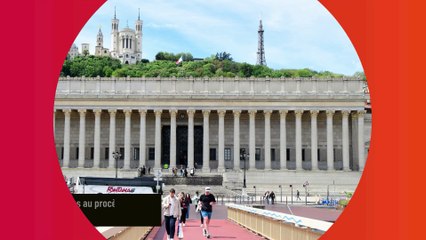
x=296 y=125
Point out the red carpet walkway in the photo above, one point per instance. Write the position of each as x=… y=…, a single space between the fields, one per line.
x=219 y=229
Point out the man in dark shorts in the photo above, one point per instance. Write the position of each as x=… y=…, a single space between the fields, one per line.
x=207 y=200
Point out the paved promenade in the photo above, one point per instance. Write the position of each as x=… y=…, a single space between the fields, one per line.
x=221 y=228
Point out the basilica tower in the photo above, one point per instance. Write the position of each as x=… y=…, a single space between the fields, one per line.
x=114 y=35
x=139 y=37
x=99 y=43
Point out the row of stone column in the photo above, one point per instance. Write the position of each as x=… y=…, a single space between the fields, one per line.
x=221 y=139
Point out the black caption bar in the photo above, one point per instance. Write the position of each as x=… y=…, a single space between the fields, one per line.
x=121 y=209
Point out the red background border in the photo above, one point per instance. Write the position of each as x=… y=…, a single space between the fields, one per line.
x=386 y=34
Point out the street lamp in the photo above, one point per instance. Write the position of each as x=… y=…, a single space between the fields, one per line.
x=291 y=186
x=116 y=155
x=305 y=185
x=328 y=192
x=243 y=156
x=281 y=190
x=254 y=193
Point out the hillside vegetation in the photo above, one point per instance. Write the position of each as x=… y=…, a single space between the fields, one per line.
x=219 y=65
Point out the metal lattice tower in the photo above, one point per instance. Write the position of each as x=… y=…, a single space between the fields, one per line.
x=260 y=47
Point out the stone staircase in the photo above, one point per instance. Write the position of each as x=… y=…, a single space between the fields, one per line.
x=191 y=189
x=214 y=180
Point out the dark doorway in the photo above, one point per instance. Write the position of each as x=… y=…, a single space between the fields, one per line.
x=182 y=146
x=198 y=146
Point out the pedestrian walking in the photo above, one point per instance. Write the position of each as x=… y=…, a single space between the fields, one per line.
x=184 y=208
x=188 y=202
x=298 y=195
x=272 y=196
x=171 y=211
x=266 y=197
x=207 y=201
x=198 y=207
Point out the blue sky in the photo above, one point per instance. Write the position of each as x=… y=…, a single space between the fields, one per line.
x=298 y=33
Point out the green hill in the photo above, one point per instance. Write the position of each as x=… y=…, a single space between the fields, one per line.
x=93 y=66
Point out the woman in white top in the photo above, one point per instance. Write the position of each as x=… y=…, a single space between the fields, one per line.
x=171 y=212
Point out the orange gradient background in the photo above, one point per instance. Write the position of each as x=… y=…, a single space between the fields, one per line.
x=388 y=36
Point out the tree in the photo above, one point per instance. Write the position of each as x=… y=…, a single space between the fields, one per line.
x=246 y=70
x=173 y=57
x=159 y=56
x=223 y=56
x=360 y=75
x=306 y=73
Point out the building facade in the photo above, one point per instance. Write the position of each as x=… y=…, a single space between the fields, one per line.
x=126 y=44
x=283 y=124
x=73 y=51
x=85 y=49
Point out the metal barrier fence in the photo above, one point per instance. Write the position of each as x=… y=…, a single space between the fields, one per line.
x=250 y=199
x=240 y=199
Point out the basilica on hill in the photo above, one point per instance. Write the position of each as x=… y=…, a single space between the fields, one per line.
x=126 y=44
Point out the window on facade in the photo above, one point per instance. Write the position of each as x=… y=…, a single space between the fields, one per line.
x=213 y=154
x=334 y=154
x=227 y=154
x=273 y=154
x=257 y=154
x=122 y=153
x=303 y=154
x=62 y=153
x=151 y=153
x=136 y=154
x=107 y=153
x=92 y=152
x=318 y=155
x=288 y=154
x=76 y=153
